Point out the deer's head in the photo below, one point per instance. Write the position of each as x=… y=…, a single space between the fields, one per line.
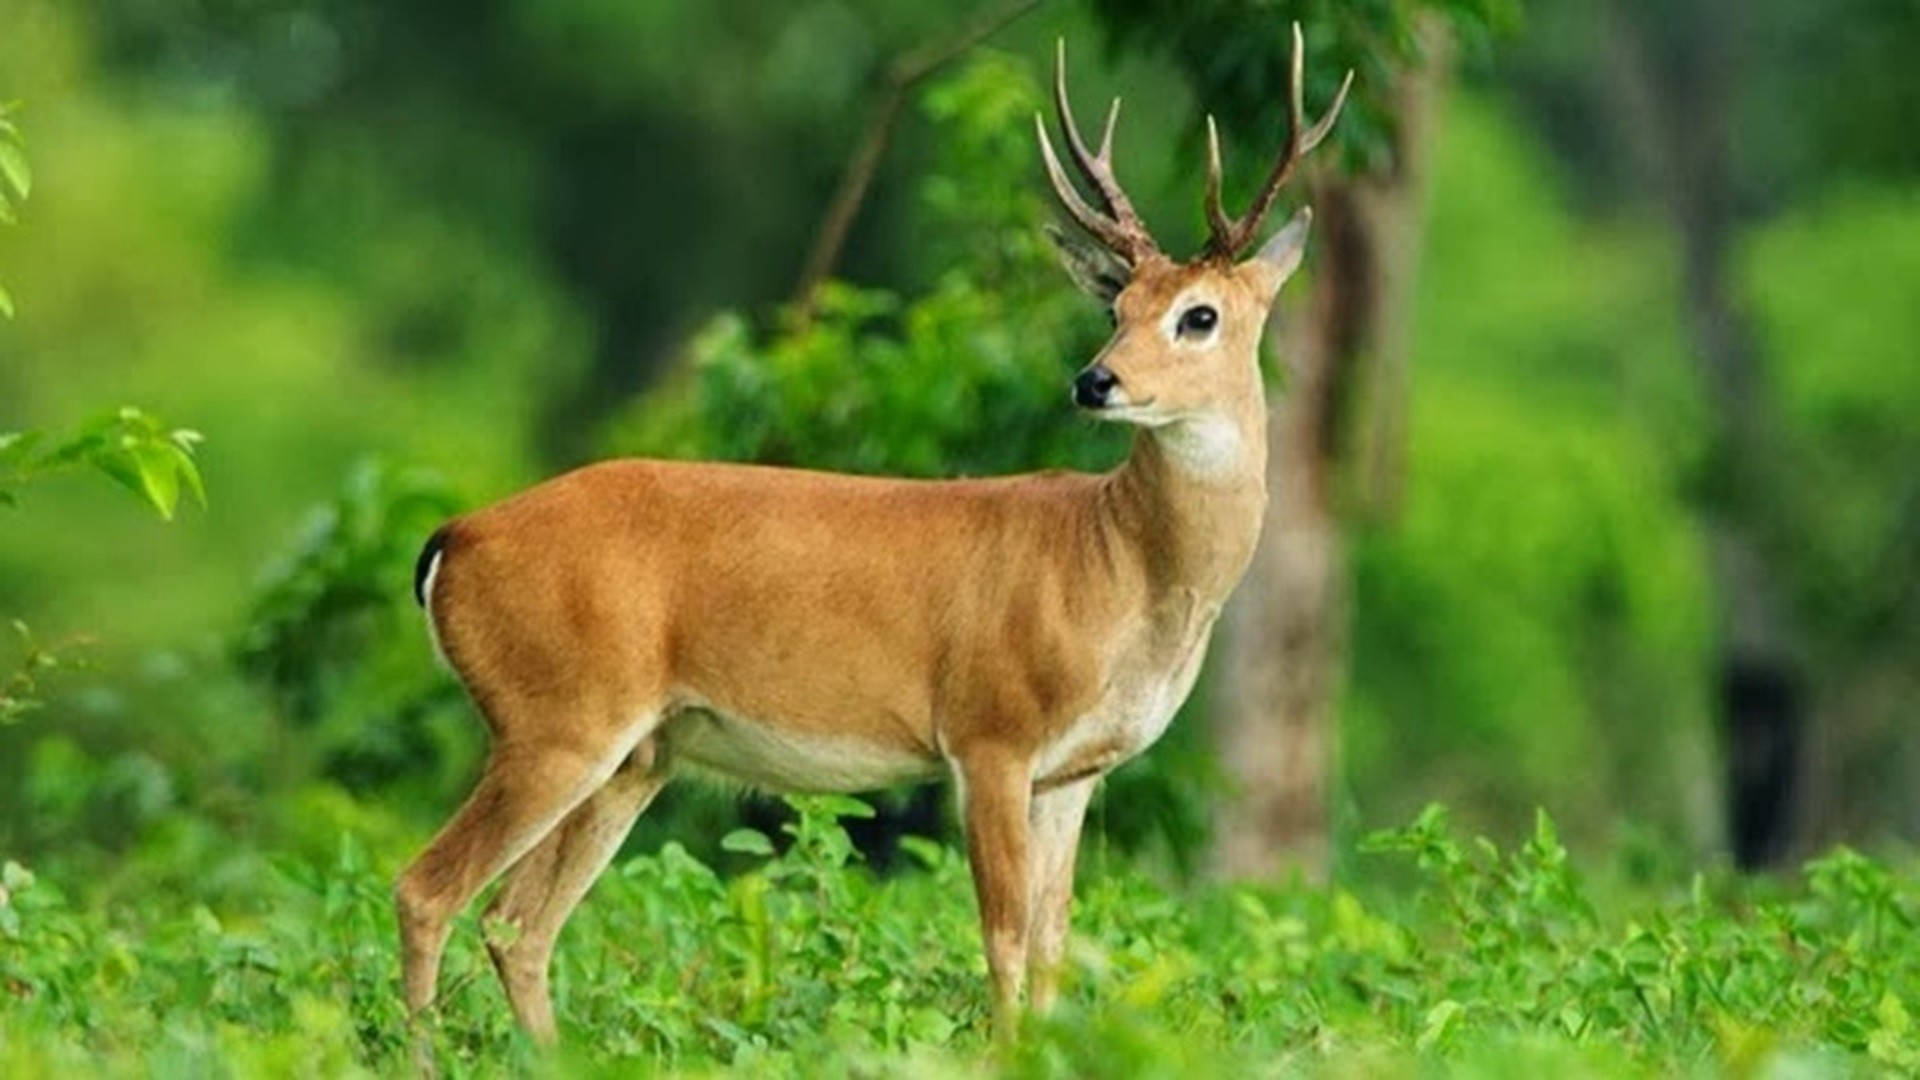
x=1186 y=334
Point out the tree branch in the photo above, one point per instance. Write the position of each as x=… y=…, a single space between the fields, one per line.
x=905 y=72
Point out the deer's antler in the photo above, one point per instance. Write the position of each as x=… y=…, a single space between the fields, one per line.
x=1231 y=235
x=1120 y=228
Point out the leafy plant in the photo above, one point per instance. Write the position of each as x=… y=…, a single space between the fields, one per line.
x=132 y=447
x=18 y=692
x=805 y=964
x=334 y=639
x=128 y=445
x=968 y=378
x=1234 y=52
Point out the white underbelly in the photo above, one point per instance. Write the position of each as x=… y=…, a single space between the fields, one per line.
x=764 y=756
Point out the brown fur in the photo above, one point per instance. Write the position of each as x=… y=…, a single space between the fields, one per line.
x=610 y=620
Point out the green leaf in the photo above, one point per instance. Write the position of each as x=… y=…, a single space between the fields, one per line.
x=747 y=842
x=15 y=170
x=190 y=475
x=12 y=709
x=15 y=445
x=6 y=302
x=929 y=853
x=1438 y=1020
x=1892 y=1014
x=180 y=454
x=1544 y=833
x=122 y=470
x=842 y=806
x=15 y=877
x=159 y=476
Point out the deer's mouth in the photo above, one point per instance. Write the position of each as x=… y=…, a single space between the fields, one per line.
x=1138 y=412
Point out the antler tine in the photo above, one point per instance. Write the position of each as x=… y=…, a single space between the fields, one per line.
x=1121 y=229
x=1296 y=92
x=1097 y=168
x=1231 y=235
x=1218 y=223
x=1109 y=232
x=1319 y=131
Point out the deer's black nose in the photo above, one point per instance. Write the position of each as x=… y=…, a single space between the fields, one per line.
x=1092 y=386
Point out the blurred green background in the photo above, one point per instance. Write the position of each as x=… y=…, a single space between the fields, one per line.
x=1650 y=555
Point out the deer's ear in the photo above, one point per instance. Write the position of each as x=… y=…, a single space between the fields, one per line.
x=1280 y=256
x=1099 y=273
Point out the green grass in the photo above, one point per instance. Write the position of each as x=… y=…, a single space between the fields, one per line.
x=206 y=958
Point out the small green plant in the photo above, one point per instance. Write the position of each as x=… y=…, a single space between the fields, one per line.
x=806 y=964
x=334 y=640
x=129 y=445
x=968 y=377
x=19 y=690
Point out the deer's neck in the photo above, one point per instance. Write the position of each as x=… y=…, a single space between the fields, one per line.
x=1189 y=501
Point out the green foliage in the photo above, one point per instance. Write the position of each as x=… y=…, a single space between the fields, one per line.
x=1831 y=289
x=1235 y=54
x=266 y=220
x=1801 y=140
x=304 y=317
x=1544 y=521
x=1849 y=398
x=19 y=691
x=130 y=446
x=970 y=378
x=1528 y=952
x=806 y=965
x=334 y=639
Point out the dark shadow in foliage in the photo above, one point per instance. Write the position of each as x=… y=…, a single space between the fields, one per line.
x=334 y=641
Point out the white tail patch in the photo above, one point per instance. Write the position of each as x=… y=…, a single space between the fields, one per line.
x=426 y=608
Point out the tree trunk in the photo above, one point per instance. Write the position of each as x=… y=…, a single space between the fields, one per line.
x=1673 y=97
x=1283 y=654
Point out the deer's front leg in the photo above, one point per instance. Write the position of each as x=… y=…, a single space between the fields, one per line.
x=1057 y=817
x=996 y=791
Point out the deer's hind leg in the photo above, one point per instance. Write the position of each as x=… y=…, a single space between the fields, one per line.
x=547 y=883
x=544 y=763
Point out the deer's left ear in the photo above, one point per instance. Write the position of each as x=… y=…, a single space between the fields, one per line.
x=1280 y=256
x=1099 y=273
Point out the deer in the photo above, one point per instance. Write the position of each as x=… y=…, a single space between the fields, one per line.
x=806 y=631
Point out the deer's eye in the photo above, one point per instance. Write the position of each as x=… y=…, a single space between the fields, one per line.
x=1198 y=321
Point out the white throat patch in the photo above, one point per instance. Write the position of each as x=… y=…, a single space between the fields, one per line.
x=1204 y=444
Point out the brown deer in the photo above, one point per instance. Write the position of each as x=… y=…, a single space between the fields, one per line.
x=805 y=631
